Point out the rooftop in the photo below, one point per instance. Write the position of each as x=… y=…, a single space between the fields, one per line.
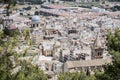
x=85 y=63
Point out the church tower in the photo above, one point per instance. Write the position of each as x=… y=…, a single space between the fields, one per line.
x=97 y=49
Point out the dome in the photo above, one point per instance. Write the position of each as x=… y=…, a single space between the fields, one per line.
x=36 y=19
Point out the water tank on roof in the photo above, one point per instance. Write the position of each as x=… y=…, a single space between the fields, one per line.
x=36 y=19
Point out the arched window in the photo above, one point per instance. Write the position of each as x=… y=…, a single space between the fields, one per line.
x=37 y=25
x=99 y=53
x=33 y=25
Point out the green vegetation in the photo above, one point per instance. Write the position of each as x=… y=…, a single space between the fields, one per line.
x=26 y=34
x=112 y=71
x=79 y=76
x=74 y=76
x=10 y=4
x=9 y=61
x=116 y=8
x=113 y=40
x=27 y=71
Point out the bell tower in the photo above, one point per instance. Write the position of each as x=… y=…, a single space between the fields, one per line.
x=97 y=49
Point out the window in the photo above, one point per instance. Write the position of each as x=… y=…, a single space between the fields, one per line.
x=37 y=25
x=99 y=53
x=33 y=25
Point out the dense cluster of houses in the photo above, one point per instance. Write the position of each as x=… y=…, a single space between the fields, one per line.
x=64 y=39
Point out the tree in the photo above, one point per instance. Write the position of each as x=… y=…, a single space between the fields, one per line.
x=10 y=4
x=29 y=72
x=113 y=40
x=73 y=76
x=6 y=46
x=26 y=34
x=112 y=71
x=9 y=61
